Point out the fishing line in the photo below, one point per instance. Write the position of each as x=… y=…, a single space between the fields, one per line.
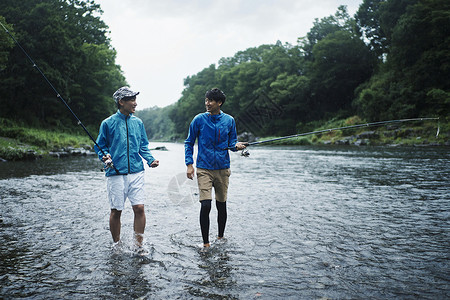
x=246 y=153
x=58 y=95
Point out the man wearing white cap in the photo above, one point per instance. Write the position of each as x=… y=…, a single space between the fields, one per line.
x=123 y=138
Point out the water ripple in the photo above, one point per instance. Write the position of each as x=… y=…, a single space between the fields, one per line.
x=304 y=222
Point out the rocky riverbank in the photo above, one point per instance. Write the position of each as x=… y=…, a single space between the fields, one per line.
x=25 y=152
x=18 y=142
x=392 y=136
x=70 y=151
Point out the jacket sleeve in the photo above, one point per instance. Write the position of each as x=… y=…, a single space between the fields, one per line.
x=232 y=136
x=102 y=141
x=189 y=143
x=143 y=149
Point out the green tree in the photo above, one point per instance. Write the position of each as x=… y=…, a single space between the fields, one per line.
x=293 y=94
x=414 y=78
x=192 y=101
x=322 y=28
x=341 y=63
x=336 y=61
x=390 y=61
x=368 y=22
x=157 y=122
x=61 y=37
x=249 y=88
x=376 y=20
x=93 y=94
x=6 y=44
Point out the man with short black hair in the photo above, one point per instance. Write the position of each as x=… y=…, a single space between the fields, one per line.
x=123 y=138
x=216 y=133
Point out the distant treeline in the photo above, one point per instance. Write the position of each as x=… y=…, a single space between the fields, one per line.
x=390 y=60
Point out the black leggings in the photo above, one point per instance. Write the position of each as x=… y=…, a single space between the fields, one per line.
x=204 y=218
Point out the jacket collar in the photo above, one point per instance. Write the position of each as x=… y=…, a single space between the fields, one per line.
x=122 y=116
x=216 y=117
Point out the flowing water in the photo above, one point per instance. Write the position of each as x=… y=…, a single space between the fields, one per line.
x=303 y=223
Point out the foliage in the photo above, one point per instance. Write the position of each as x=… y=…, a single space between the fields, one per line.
x=19 y=142
x=41 y=138
x=11 y=150
x=6 y=44
x=276 y=89
x=340 y=21
x=389 y=61
x=157 y=123
x=69 y=43
x=341 y=63
x=414 y=80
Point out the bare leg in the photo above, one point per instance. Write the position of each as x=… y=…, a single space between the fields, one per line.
x=114 y=224
x=139 y=223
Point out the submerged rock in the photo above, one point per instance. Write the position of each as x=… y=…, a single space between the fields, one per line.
x=368 y=135
x=362 y=142
x=70 y=151
x=246 y=137
x=160 y=148
x=345 y=141
x=59 y=154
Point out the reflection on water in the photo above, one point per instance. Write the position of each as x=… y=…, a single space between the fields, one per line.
x=303 y=222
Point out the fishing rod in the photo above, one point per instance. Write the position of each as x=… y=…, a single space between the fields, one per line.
x=246 y=153
x=108 y=163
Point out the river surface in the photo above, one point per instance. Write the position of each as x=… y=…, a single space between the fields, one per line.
x=303 y=223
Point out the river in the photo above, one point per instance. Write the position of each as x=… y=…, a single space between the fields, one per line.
x=303 y=223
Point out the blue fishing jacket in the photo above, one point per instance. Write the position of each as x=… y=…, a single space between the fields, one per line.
x=215 y=133
x=125 y=139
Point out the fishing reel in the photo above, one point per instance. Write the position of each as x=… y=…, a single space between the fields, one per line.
x=245 y=152
x=108 y=164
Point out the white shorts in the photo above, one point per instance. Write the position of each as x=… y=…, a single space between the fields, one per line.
x=121 y=187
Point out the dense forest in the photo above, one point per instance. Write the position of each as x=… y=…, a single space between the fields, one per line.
x=69 y=42
x=390 y=60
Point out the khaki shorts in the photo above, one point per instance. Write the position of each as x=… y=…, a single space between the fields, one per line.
x=218 y=179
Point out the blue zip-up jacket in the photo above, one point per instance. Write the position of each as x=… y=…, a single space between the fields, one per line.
x=125 y=139
x=215 y=134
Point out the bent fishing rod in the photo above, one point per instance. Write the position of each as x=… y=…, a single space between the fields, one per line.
x=108 y=164
x=374 y=124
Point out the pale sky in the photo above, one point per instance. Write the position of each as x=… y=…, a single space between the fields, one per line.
x=161 y=42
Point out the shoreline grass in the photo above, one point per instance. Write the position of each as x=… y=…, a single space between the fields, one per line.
x=19 y=142
x=421 y=133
